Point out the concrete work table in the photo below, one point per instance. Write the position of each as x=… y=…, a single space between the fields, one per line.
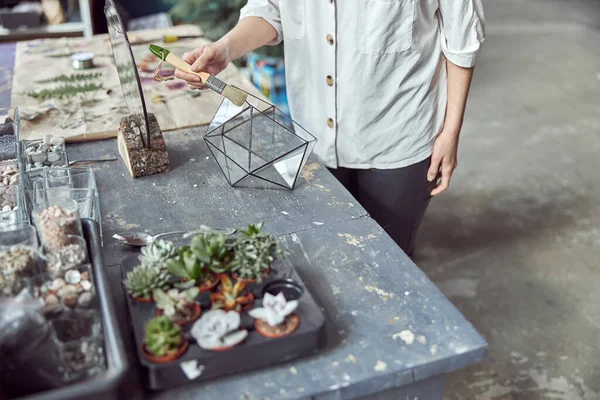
x=390 y=329
x=391 y=332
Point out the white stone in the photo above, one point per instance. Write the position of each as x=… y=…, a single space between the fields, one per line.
x=53 y=157
x=86 y=285
x=38 y=157
x=57 y=140
x=6 y=209
x=48 y=138
x=73 y=277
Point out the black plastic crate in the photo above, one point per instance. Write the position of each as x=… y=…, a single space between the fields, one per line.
x=107 y=384
x=255 y=352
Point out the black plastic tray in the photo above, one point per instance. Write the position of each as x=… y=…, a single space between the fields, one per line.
x=255 y=352
x=105 y=385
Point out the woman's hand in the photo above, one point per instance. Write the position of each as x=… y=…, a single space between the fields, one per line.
x=443 y=160
x=212 y=58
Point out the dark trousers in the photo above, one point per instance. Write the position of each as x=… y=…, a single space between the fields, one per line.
x=395 y=198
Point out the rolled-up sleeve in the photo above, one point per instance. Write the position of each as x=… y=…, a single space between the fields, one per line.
x=462 y=24
x=267 y=10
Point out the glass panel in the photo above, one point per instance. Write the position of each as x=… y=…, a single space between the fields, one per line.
x=125 y=63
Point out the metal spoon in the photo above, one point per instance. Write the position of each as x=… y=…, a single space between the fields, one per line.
x=140 y=239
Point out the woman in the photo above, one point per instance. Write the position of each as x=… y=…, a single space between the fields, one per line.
x=382 y=84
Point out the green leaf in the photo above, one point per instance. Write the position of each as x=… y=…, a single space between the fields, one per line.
x=177 y=268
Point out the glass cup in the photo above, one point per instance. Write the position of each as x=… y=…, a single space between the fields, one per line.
x=19 y=259
x=18 y=235
x=71 y=254
x=80 y=341
x=55 y=221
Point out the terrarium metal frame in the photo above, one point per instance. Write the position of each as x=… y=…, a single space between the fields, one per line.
x=219 y=130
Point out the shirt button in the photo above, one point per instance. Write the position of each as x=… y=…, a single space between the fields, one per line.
x=330 y=122
x=329 y=80
x=330 y=39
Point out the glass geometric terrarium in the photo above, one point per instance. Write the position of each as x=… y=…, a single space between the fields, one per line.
x=257 y=145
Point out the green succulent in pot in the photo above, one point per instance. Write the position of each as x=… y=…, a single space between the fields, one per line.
x=141 y=282
x=192 y=270
x=179 y=306
x=213 y=250
x=254 y=252
x=163 y=341
x=157 y=253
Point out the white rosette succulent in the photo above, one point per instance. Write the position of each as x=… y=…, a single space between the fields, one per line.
x=218 y=329
x=275 y=309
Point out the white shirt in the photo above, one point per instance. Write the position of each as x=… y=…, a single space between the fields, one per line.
x=368 y=77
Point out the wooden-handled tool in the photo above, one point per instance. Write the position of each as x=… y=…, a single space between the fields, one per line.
x=235 y=95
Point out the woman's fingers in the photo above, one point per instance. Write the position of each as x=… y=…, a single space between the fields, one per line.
x=186 y=76
x=434 y=168
x=447 y=169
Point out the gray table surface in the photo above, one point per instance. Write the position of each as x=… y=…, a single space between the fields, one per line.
x=375 y=299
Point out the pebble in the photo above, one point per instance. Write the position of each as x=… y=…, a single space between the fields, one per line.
x=57 y=141
x=57 y=284
x=85 y=299
x=73 y=277
x=86 y=285
x=39 y=157
x=53 y=157
x=48 y=139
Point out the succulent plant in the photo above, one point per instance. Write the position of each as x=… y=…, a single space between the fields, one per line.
x=157 y=253
x=254 y=253
x=212 y=249
x=274 y=309
x=161 y=336
x=175 y=303
x=217 y=329
x=142 y=281
x=187 y=265
x=231 y=297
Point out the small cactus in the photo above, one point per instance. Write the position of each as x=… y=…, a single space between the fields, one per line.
x=142 y=281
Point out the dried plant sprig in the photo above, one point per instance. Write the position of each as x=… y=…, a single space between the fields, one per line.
x=66 y=90
x=72 y=78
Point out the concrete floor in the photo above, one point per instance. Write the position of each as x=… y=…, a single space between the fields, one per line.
x=515 y=243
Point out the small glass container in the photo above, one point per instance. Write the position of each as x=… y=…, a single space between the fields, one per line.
x=71 y=254
x=56 y=221
x=12 y=210
x=19 y=235
x=9 y=134
x=80 y=341
x=19 y=259
x=35 y=155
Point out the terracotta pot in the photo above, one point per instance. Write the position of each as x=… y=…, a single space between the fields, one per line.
x=166 y=358
x=237 y=278
x=264 y=329
x=194 y=317
x=250 y=297
x=142 y=299
x=209 y=288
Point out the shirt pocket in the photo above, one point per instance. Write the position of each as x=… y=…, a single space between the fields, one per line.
x=386 y=26
x=292 y=18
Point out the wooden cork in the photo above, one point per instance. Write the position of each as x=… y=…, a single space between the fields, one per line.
x=139 y=159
